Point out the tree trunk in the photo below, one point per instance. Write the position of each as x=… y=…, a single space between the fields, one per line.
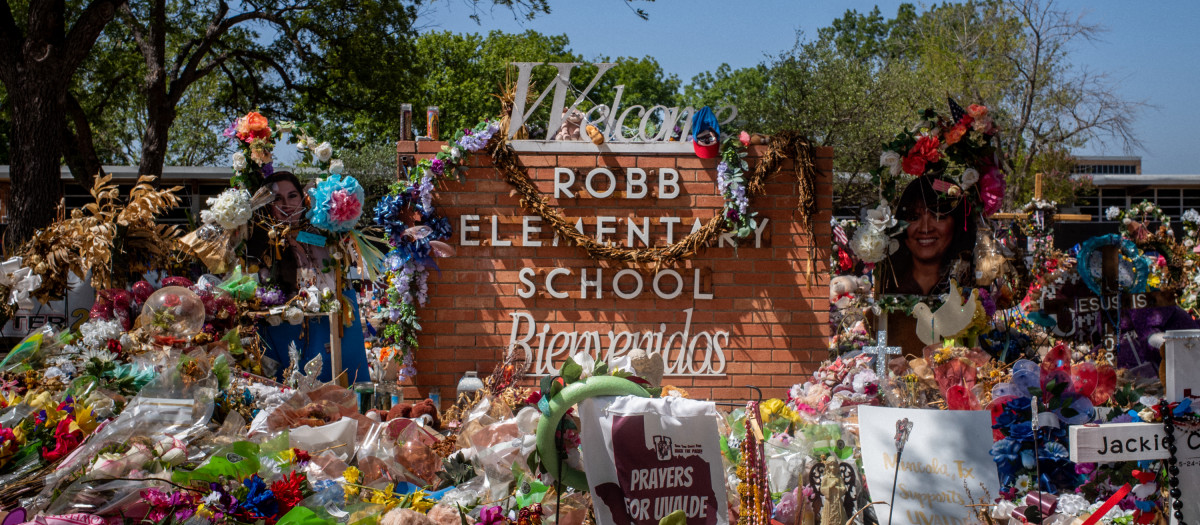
x=154 y=142
x=37 y=125
x=79 y=150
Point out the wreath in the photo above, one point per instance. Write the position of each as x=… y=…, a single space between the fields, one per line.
x=1138 y=213
x=1134 y=270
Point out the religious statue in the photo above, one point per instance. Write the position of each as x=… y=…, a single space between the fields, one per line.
x=833 y=491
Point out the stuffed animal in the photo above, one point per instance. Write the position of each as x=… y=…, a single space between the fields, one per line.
x=424 y=408
x=569 y=129
x=844 y=288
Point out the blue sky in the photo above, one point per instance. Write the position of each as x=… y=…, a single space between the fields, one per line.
x=1151 y=49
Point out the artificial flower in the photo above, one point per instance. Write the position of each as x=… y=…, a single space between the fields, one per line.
x=955 y=133
x=881 y=217
x=969 y=177
x=323 y=152
x=891 y=161
x=238 y=161
x=336 y=203
x=870 y=244
x=229 y=210
x=991 y=192
x=252 y=126
x=924 y=151
x=336 y=166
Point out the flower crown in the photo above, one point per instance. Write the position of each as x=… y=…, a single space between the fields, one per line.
x=957 y=149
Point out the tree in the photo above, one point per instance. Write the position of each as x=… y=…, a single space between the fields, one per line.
x=38 y=59
x=1055 y=104
x=321 y=52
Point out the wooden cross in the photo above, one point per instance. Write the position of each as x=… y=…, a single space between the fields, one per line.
x=881 y=350
x=1037 y=196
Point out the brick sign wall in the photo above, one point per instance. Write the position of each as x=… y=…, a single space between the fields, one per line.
x=751 y=321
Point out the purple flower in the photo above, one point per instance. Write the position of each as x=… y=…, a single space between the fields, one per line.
x=268 y=169
x=437 y=167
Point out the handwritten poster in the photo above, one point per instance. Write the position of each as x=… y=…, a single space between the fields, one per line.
x=946 y=450
x=646 y=458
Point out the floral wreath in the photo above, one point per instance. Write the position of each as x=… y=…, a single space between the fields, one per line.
x=1129 y=252
x=1138 y=212
x=1191 y=227
x=958 y=148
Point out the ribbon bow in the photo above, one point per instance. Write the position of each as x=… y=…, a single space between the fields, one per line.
x=1038 y=506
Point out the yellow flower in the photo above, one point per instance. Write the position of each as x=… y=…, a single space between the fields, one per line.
x=84 y=420
x=386 y=497
x=204 y=512
x=419 y=501
x=287 y=456
x=351 y=475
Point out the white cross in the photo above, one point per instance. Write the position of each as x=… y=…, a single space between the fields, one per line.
x=881 y=350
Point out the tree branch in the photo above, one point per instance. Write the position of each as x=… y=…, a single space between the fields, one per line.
x=87 y=29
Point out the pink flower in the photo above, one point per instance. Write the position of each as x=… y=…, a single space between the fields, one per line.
x=344 y=206
x=991 y=191
x=744 y=138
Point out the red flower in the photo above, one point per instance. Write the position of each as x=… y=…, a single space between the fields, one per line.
x=977 y=111
x=956 y=133
x=927 y=148
x=913 y=165
x=302 y=456
x=924 y=151
x=287 y=491
x=65 y=441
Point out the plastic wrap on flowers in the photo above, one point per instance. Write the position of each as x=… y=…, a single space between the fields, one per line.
x=337 y=203
x=152 y=434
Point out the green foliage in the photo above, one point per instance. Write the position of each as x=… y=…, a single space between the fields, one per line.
x=856 y=84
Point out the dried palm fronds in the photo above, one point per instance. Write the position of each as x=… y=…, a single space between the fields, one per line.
x=104 y=236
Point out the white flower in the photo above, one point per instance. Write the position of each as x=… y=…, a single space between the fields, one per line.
x=890 y=160
x=1126 y=221
x=229 y=210
x=585 y=361
x=1112 y=213
x=98 y=354
x=1023 y=483
x=455 y=153
x=1191 y=216
x=969 y=177
x=239 y=161
x=336 y=166
x=323 y=152
x=96 y=332
x=870 y=244
x=880 y=217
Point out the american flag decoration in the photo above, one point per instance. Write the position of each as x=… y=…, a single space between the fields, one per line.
x=839 y=233
x=956 y=111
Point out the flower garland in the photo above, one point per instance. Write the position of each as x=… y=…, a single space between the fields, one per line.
x=415 y=246
x=782 y=147
x=959 y=149
x=731 y=183
x=1133 y=221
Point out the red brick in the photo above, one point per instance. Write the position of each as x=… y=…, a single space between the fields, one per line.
x=777 y=322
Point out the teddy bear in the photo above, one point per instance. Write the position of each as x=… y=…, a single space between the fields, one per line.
x=569 y=129
x=414 y=411
x=844 y=288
